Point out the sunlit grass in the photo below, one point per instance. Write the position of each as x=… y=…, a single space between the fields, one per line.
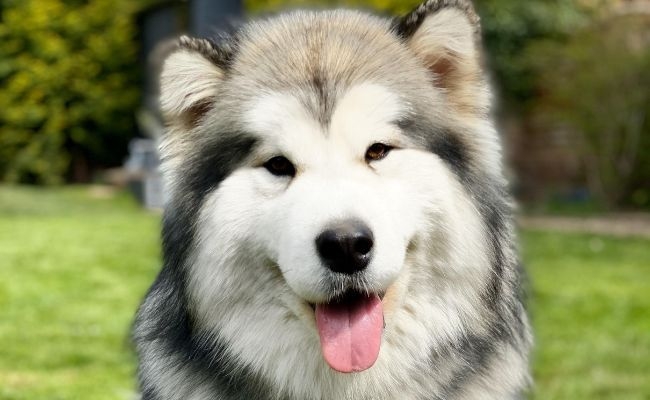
x=591 y=310
x=74 y=263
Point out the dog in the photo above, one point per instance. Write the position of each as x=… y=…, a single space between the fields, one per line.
x=338 y=223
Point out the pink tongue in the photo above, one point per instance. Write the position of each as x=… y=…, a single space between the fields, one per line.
x=350 y=333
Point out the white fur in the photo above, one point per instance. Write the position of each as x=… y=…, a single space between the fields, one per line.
x=256 y=265
x=333 y=183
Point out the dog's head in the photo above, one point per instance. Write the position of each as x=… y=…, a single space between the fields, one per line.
x=316 y=160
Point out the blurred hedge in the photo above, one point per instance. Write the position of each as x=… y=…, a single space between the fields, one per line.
x=68 y=76
x=597 y=84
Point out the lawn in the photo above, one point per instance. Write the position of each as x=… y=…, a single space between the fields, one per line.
x=74 y=263
x=590 y=306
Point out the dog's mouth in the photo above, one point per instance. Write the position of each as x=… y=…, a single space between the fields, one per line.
x=350 y=329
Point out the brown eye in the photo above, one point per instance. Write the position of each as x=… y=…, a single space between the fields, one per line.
x=280 y=166
x=377 y=151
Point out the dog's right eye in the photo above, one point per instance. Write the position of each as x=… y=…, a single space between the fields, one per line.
x=280 y=166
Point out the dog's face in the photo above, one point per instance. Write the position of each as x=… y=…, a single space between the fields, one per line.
x=338 y=208
x=317 y=162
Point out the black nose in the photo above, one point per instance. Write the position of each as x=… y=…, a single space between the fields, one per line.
x=346 y=246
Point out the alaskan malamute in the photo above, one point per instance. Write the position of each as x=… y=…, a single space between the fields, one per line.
x=338 y=224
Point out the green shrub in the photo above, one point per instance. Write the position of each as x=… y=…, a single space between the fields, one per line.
x=69 y=86
x=596 y=84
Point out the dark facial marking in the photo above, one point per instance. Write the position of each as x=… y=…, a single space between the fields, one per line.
x=442 y=142
x=213 y=161
x=450 y=148
x=321 y=90
x=202 y=172
x=164 y=317
x=489 y=196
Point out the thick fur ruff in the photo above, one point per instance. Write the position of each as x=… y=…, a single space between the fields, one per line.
x=231 y=314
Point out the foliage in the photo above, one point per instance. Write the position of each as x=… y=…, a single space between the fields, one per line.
x=597 y=84
x=67 y=74
x=392 y=6
x=510 y=27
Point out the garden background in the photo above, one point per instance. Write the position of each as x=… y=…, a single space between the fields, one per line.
x=77 y=251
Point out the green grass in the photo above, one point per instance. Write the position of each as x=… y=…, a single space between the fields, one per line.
x=591 y=311
x=74 y=264
x=73 y=268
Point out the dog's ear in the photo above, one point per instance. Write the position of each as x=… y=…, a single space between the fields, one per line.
x=190 y=79
x=445 y=36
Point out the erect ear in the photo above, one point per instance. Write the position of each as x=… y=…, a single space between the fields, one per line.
x=190 y=79
x=445 y=36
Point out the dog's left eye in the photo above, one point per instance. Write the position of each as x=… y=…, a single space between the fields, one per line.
x=280 y=166
x=377 y=151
